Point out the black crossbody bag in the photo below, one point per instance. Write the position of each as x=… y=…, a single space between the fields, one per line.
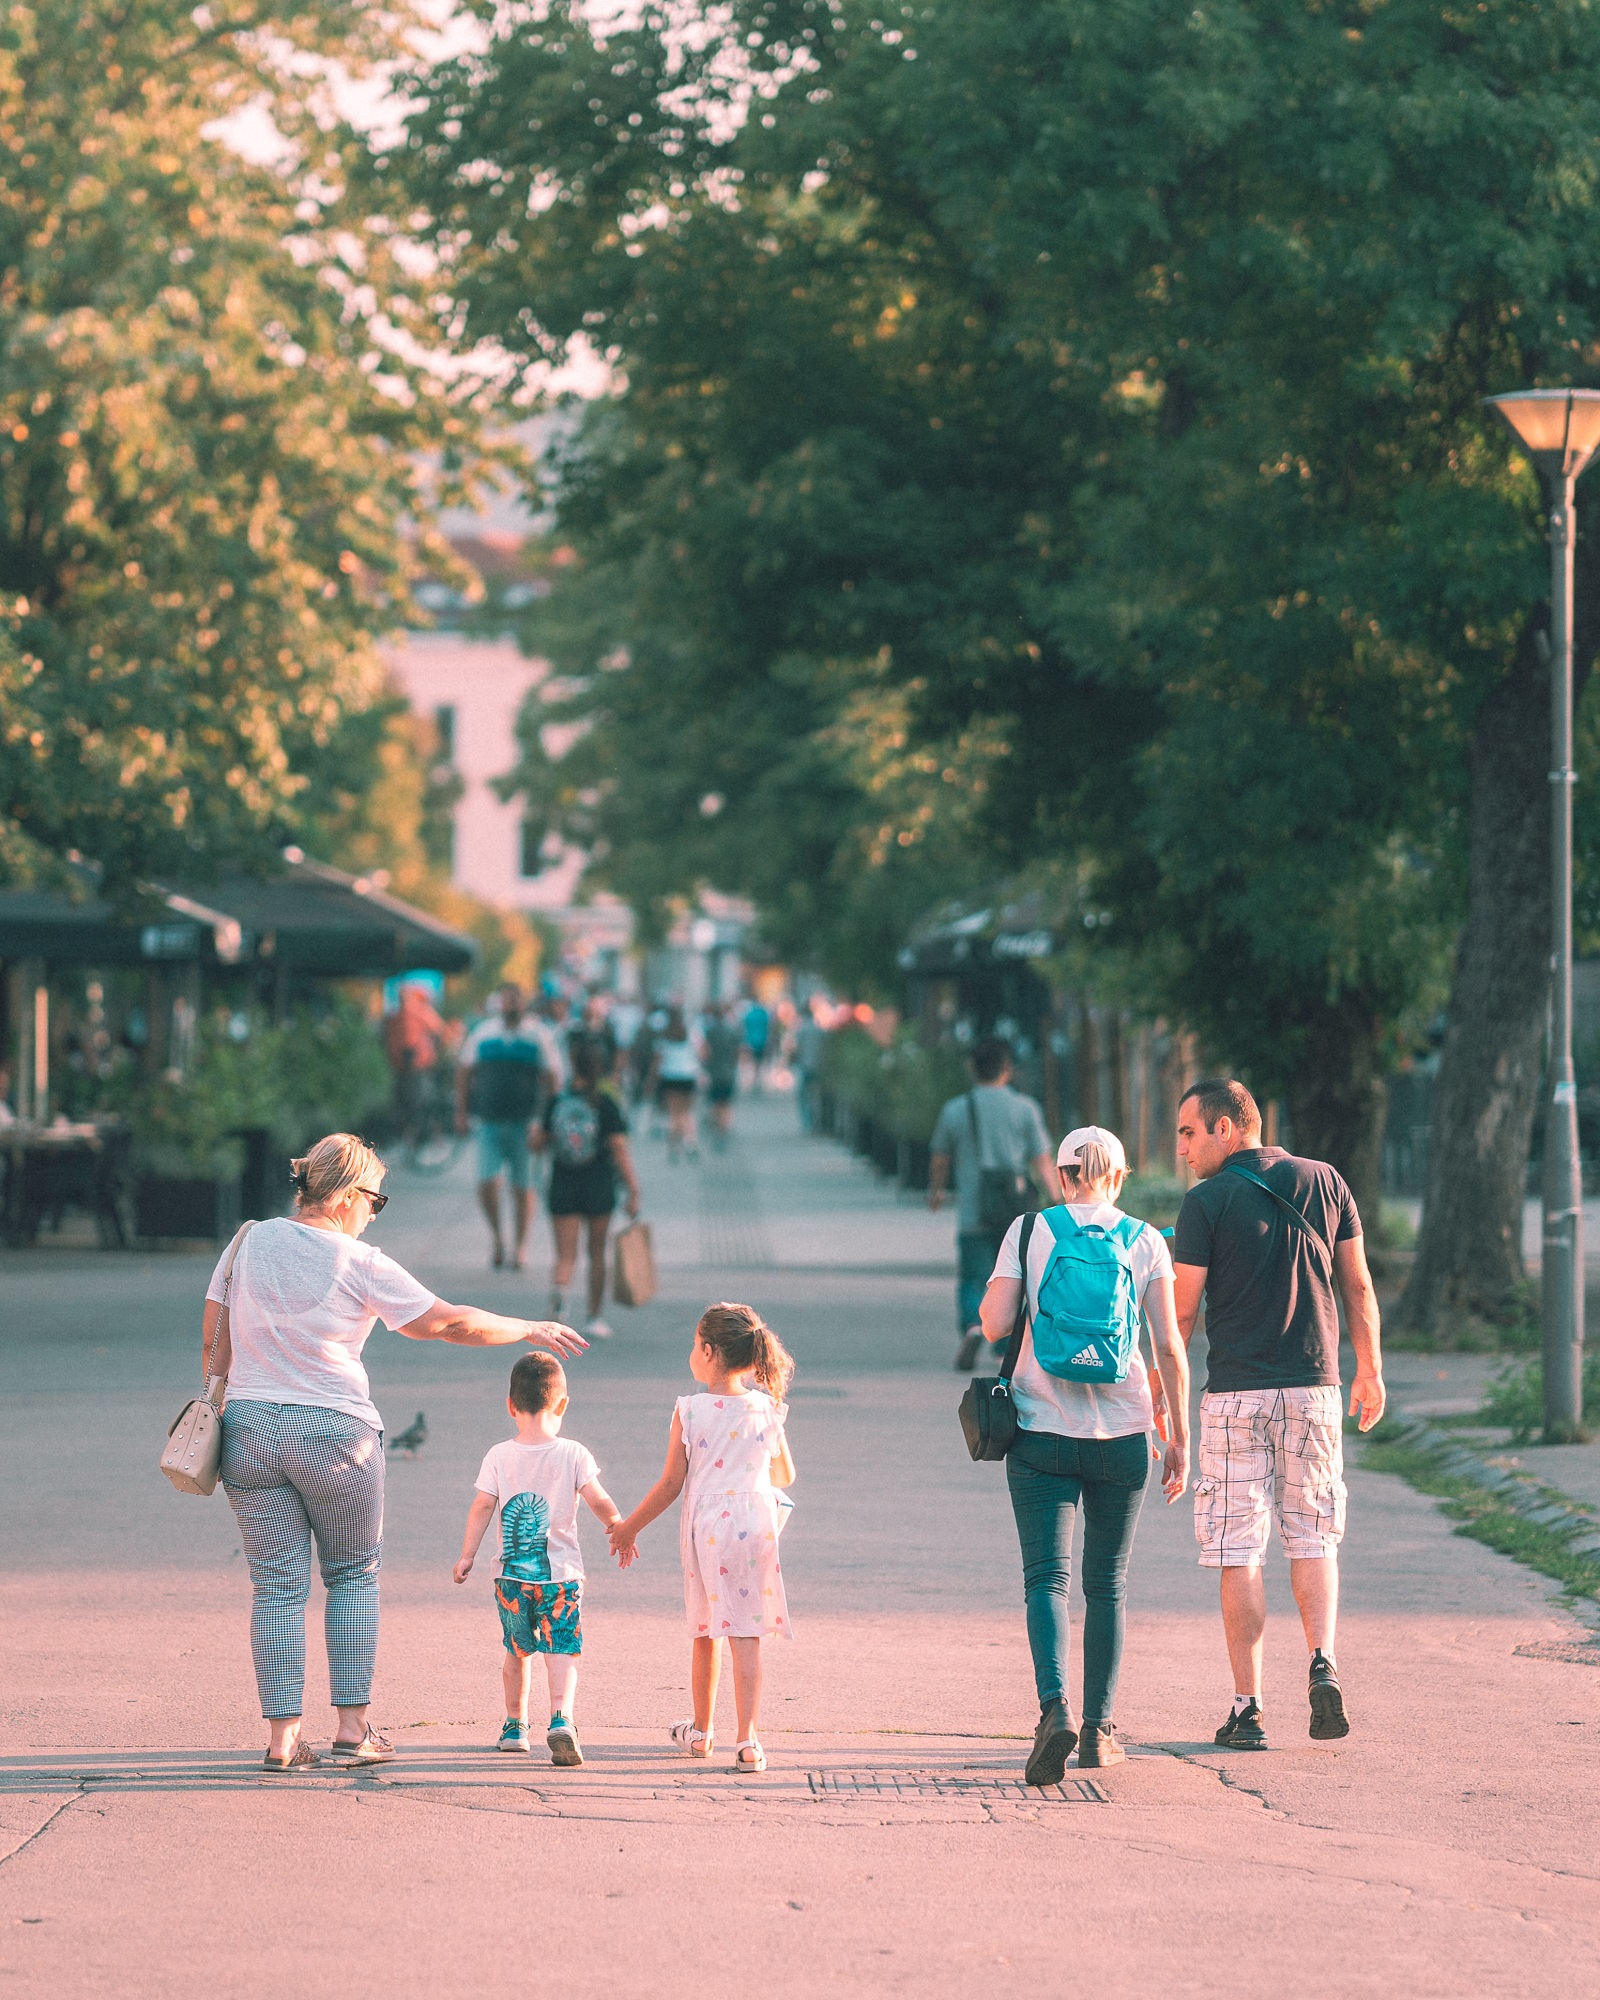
x=987 y=1413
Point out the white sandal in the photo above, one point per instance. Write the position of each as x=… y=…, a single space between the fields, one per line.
x=757 y=1761
x=694 y=1742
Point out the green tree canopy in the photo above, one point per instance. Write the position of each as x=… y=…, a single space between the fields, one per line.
x=217 y=393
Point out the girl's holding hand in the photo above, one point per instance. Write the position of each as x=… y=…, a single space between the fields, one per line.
x=726 y=1453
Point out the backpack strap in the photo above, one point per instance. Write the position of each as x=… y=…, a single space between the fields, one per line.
x=977 y=1137
x=1289 y=1209
x=1008 y=1367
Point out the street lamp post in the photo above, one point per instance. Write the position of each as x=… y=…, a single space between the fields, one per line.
x=1560 y=429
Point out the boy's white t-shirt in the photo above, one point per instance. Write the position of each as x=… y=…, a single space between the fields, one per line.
x=301 y=1307
x=1081 y=1409
x=537 y=1488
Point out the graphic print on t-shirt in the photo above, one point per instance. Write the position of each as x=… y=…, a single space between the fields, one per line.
x=524 y=1545
x=574 y=1125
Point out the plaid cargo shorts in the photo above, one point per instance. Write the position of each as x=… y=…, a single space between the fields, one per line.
x=1266 y=1453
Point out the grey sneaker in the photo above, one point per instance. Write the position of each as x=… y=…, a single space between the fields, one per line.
x=515 y=1736
x=562 y=1741
x=1098 y=1747
x=1053 y=1743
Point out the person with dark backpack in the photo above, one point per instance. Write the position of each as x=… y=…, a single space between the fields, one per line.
x=1086 y=1407
x=587 y=1137
x=988 y=1141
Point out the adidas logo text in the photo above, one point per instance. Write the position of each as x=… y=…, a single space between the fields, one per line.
x=1086 y=1357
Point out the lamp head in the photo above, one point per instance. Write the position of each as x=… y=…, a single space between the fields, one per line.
x=1558 y=428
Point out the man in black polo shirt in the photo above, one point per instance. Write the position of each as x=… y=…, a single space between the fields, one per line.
x=1268 y=1240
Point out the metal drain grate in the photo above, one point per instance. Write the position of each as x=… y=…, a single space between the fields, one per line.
x=950 y=1785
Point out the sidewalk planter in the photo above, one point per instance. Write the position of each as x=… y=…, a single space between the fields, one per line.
x=168 y=1207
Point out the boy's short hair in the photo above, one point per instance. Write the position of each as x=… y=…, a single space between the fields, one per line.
x=537 y=1381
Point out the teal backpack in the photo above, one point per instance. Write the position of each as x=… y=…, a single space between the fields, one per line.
x=1087 y=1325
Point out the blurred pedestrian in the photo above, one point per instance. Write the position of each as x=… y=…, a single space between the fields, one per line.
x=676 y=1062
x=1085 y=1424
x=501 y=1077
x=1274 y=1246
x=987 y=1141
x=587 y=1136
x=302 y=1444
x=810 y=1039
x=412 y=1035
x=722 y=1043
x=594 y=1031
x=757 y=1027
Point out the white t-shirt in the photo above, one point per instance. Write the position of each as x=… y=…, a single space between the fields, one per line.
x=537 y=1488
x=303 y=1302
x=1082 y=1409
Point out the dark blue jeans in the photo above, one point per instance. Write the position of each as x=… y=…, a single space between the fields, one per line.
x=976 y=1250
x=1049 y=1476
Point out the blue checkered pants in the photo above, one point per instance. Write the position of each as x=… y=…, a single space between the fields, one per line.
x=295 y=1473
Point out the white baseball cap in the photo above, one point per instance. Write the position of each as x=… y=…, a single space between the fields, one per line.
x=1071 y=1148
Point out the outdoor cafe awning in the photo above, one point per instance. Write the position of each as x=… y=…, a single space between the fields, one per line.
x=308 y=918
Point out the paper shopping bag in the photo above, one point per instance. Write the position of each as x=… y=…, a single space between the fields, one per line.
x=633 y=1272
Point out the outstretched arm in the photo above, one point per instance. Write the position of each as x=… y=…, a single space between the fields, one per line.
x=470 y=1326
x=625 y=1534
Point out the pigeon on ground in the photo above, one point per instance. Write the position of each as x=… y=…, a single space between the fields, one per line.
x=411 y=1440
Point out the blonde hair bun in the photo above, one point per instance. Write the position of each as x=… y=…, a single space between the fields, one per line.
x=332 y=1167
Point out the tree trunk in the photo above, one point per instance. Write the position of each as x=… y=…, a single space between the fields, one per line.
x=1469 y=1254
x=1337 y=1101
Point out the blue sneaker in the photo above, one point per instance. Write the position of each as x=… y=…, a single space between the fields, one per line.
x=562 y=1740
x=515 y=1736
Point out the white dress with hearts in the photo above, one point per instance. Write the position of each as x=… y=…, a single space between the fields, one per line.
x=728 y=1530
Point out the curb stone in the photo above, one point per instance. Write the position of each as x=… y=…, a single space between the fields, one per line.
x=1540 y=1505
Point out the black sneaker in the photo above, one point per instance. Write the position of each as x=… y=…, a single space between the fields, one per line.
x=967 y=1352
x=1328 y=1719
x=1053 y=1743
x=1098 y=1746
x=1243 y=1730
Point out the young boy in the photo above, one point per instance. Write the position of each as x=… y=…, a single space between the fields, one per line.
x=536 y=1479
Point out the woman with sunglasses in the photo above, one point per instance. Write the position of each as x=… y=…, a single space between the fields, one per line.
x=302 y=1445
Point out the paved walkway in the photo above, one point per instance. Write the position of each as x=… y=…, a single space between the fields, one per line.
x=1446 y=1848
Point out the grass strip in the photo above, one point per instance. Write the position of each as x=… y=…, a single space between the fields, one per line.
x=1485 y=1516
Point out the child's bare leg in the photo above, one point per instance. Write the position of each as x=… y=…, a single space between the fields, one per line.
x=516 y=1672
x=746 y=1684
x=707 y=1672
x=565 y=1228
x=598 y=1228
x=561 y=1674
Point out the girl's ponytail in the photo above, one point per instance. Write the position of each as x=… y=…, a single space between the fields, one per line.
x=741 y=1339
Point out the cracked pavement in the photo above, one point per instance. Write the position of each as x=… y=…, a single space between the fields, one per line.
x=1447 y=1847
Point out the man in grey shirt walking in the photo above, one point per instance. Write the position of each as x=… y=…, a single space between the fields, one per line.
x=989 y=1136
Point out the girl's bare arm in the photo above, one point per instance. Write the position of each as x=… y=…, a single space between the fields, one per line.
x=781 y=1471
x=661 y=1495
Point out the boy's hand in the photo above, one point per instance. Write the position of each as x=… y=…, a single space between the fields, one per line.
x=624 y=1546
x=463 y=1569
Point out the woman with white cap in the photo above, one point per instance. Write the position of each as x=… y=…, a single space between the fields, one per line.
x=1085 y=1424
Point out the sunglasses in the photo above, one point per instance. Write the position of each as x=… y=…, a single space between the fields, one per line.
x=379 y=1201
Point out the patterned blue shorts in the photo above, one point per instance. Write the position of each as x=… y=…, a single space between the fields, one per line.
x=539 y=1617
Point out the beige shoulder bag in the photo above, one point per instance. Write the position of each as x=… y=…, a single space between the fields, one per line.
x=192 y=1459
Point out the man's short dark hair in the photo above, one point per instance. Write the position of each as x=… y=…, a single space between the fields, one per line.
x=1223 y=1097
x=537 y=1381
x=991 y=1058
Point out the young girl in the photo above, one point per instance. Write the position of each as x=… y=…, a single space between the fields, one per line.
x=728 y=1449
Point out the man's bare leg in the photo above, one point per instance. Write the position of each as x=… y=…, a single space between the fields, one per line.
x=522 y=1210
x=1315 y=1580
x=489 y=1202
x=1244 y=1622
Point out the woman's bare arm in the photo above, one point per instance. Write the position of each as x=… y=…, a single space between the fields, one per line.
x=471 y=1326
x=216 y=1349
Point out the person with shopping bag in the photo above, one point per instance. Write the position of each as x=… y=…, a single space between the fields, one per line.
x=587 y=1137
